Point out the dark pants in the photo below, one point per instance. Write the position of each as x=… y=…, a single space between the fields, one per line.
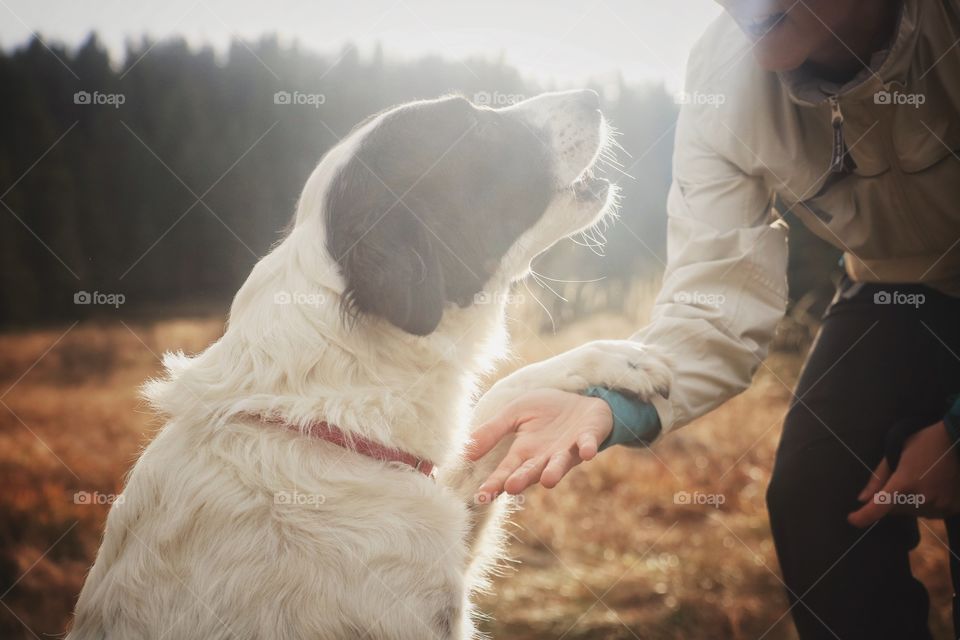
x=872 y=364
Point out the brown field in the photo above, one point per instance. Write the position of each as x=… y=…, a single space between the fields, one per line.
x=608 y=554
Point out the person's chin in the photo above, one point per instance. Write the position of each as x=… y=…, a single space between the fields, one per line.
x=771 y=57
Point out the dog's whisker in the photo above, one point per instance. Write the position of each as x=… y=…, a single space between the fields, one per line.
x=553 y=323
x=606 y=164
x=610 y=154
x=589 y=244
x=598 y=239
x=616 y=143
x=545 y=285
x=581 y=240
x=540 y=275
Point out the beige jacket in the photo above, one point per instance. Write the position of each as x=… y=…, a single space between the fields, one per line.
x=872 y=167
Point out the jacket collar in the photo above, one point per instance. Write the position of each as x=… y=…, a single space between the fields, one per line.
x=887 y=67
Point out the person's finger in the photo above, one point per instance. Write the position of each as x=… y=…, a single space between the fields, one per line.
x=911 y=508
x=876 y=481
x=487 y=435
x=926 y=509
x=527 y=474
x=587 y=446
x=494 y=483
x=878 y=506
x=560 y=463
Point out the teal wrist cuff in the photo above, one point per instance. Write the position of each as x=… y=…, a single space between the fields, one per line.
x=635 y=423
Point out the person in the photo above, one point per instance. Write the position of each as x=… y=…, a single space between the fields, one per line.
x=847 y=117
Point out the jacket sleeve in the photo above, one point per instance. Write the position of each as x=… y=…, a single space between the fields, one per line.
x=952 y=422
x=724 y=288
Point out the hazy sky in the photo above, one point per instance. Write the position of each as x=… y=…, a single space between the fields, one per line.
x=563 y=40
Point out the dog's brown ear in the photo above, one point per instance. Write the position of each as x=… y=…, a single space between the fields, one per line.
x=390 y=266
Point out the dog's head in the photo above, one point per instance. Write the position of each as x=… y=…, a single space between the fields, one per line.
x=434 y=201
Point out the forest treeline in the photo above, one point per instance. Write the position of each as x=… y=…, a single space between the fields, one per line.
x=153 y=183
x=160 y=178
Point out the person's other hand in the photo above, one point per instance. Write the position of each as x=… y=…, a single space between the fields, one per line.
x=555 y=431
x=925 y=483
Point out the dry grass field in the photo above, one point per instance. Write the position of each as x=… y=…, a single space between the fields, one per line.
x=608 y=554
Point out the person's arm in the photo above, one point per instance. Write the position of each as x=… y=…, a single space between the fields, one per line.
x=724 y=290
x=924 y=480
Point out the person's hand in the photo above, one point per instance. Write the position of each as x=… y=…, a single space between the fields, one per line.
x=555 y=431
x=925 y=483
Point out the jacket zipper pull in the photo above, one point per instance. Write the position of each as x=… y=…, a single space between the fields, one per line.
x=839 y=145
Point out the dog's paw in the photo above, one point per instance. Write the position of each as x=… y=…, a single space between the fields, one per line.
x=617 y=364
x=630 y=366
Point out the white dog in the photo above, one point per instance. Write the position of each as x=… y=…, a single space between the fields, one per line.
x=288 y=494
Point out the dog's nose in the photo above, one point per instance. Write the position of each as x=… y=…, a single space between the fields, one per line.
x=588 y=98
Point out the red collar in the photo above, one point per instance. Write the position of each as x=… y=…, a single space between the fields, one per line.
x=322 y=430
